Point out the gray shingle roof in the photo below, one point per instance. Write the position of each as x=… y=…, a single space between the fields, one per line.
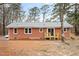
x=37 y=25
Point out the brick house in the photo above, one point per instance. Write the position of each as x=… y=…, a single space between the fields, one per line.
x=38 y=30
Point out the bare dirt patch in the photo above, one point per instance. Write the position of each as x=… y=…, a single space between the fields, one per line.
x=39 y=48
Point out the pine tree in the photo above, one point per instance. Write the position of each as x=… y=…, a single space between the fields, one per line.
x=60 y=10
x=33 y=14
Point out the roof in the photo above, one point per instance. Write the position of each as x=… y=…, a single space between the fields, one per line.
x=38 y=25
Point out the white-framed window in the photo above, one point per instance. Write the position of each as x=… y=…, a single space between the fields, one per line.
x=66 y=29
x=40 y=29
x=15 y=30
x=27 y=30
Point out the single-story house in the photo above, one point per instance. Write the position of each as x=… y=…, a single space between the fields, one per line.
x=38 y=30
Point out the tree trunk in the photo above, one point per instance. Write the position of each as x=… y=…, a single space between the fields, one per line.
x=43 y=17
x=3 y=21
x=61 y=20
x=75 y=29
x=62 y=33
x=75 y=18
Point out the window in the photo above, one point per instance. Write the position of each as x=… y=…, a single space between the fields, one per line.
x=27 y=30
x=15 y=30
x=49 y=30
x=40 y=30
x=66 y=29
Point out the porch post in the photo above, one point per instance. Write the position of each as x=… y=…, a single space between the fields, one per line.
x=54 y=33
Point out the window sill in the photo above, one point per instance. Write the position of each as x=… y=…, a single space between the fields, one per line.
x=27 y=33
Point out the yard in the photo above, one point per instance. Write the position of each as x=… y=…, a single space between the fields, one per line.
x=39 y=47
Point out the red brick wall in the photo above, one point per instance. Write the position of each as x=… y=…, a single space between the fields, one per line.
x=58 y=31
x=21 y=35
x=35 y=33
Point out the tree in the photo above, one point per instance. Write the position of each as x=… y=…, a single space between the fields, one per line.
x=73 y=17
x=15 y=10
x=7 y=13
x=44 y=10
x=60 y=10
x=1 y=19
x=33 y=14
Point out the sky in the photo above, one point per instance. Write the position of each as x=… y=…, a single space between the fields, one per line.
x=26 y=6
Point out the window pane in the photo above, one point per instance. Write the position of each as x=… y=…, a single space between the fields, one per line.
x=49 y=30
x=26 y=30
x=15 y=30
x=52 y=32
x=29 y=30
x=64 y=29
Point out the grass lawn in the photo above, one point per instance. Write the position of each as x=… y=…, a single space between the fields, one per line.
x=38 y=48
